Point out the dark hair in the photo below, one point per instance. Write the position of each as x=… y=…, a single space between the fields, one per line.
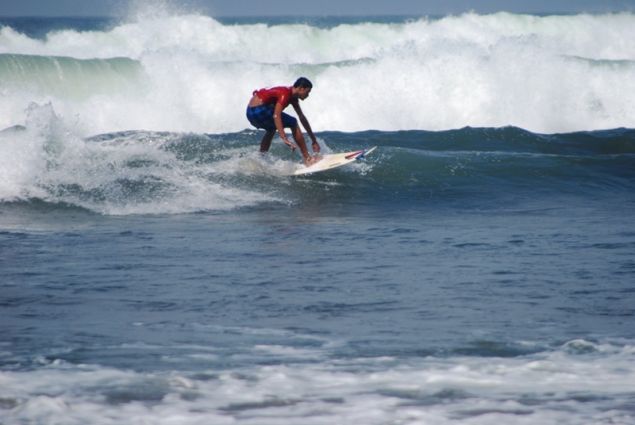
x=303 y=83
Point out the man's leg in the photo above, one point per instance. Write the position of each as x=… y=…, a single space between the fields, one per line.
x=265 y=143
x=299 y=140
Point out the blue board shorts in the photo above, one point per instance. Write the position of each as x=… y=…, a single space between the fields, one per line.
x=262 y=117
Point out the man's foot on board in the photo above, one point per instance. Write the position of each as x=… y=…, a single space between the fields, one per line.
x=311 y=160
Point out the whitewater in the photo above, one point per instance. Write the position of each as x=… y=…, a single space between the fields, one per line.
x=192 y=73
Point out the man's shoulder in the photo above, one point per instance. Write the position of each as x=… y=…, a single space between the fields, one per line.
x=281 y=89
x=284 y=95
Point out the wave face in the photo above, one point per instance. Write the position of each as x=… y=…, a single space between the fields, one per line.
x=149 y=172
x=192 y=73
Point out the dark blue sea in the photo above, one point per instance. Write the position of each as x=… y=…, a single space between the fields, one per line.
x=477 y=268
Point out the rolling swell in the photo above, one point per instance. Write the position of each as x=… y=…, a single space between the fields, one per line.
x=502 y=163
x=67 y=76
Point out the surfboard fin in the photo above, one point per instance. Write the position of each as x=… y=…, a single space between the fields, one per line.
x=355 y=155
x=362 y=154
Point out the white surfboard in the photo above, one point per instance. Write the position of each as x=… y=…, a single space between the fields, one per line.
x=334 y=160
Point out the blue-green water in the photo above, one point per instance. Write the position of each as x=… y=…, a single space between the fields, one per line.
x=151 y=274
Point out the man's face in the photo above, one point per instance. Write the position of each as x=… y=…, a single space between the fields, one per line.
x=303 y=92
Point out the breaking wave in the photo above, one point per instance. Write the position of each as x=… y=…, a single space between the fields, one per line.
x=192 y=73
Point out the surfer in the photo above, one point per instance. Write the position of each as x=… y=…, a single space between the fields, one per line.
x=265 y=111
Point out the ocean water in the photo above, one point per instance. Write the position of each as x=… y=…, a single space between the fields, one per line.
x=477 y=268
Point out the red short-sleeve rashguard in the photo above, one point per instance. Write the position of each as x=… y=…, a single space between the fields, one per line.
x=281 y=95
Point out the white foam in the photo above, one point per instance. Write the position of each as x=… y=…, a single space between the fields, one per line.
x=545 y=74
x=548 y=387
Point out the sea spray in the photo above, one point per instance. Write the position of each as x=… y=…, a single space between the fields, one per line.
x=128 y=173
